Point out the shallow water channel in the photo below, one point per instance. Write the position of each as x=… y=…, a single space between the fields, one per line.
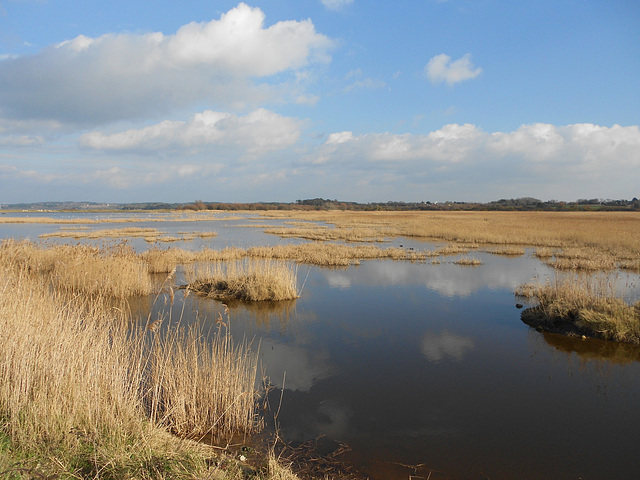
x=426 y=369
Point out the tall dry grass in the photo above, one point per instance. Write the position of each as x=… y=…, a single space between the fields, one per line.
x=200 y=387
x=81 y=269
x=584 y=305
x=84 y=394
x=161 y=260
x=248 y=280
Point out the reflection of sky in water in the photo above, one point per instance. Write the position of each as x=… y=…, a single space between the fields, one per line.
x=298 y=367
x=445 y=346
x=445 y=278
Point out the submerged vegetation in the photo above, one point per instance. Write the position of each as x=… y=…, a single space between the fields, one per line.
x=582 y=305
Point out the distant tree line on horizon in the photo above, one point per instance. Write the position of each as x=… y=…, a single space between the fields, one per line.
x=524 y=203
x=515 y=204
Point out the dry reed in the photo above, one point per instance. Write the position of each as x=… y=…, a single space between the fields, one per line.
x=543 y=252
x=322 y=233
x=553 y=230
x=507 y=251
x=468 y=262
x=85 y=395
x=249 y=280
x=112 y=272
x=451 y=250
x=585 y=258
x=201 y=386
x=582 y=305
x=128 y=232
x=333 y=254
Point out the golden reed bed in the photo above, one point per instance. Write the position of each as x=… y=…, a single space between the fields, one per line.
x=590 y=240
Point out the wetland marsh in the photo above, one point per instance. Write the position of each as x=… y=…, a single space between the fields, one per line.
x=406 y=349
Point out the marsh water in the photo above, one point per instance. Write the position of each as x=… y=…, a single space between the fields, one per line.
x=425 y=369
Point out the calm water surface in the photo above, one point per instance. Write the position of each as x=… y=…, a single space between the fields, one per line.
x=428 y=365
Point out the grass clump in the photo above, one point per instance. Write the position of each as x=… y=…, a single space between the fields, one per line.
x=507 y=251
x=248 y=280
x=468 y=262
x=582 y=306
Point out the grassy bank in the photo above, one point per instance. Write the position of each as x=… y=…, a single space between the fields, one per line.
x=582 y=305
x=85 y=393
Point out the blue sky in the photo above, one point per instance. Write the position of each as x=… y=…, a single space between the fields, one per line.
x=421 y=100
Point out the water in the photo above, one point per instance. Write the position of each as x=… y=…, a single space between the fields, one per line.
x=426 y=369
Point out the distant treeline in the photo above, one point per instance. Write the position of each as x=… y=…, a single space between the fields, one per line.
x=525 y=203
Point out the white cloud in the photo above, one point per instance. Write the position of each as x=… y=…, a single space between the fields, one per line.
x=123 y=76
x=465 y=162
x=339 y=137
x=365 y=83
x=306 y=99
x=258 y=132
x=454 y=162
x=21 y=140
x=454 y=143
x=582 y=144
x=450 y=144
x=336 y=4
x=441 y=69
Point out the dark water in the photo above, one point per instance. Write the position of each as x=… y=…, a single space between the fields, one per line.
x=430 y=366
x=426 y=369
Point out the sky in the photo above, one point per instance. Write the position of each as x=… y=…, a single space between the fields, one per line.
x=280 y=100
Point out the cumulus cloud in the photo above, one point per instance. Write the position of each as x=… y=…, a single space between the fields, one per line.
x=465 y=162
x=257 y=132
x=441 y=69
x=123 y=76
x=450 y=144
x=339 y=137
x=336 y=4
x=467 y=143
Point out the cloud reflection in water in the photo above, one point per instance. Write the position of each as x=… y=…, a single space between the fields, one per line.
x=445 y=346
